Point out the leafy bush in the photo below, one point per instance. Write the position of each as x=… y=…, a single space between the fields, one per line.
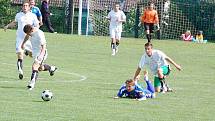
x=7 y=13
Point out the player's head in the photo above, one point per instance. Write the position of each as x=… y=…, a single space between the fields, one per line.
x=199 y=32
x=116 y=7
x=130 y=85
x=32 y=3
x=25 y=6
x=151 y=6
x=188 y=32
x=148 y=48
x=28 y=29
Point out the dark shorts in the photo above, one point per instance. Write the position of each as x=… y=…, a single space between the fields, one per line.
x=149 y=26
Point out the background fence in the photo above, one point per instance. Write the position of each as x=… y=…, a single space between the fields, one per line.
x=176 y=16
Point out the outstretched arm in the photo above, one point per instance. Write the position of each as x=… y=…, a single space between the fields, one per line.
x=137 y=73
x=173 y=63
x=25 y=39
x=120 y=92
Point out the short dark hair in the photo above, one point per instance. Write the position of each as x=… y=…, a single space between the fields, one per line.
x=116 y=3
x=148 y=44
x=27 y=28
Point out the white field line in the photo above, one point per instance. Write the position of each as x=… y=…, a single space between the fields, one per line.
x=82 y=77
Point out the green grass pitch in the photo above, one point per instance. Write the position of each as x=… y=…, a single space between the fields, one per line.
x=88 y=77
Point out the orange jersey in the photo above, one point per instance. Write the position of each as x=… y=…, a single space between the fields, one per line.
x=150 y=16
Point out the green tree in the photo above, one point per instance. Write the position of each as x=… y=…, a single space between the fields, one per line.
x=7 y=12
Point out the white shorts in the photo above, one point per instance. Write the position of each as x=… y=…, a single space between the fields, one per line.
x=115 y=33
x=19 y=40
x=42 y=60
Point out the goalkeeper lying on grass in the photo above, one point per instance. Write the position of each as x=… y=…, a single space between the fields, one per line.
x=135 y=91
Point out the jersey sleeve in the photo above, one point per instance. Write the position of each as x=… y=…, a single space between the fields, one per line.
x=121 y=91
x=156 y=20
x=142 y=62
x=123 y=15
x=38 y=12
x=35 y=20
x=163 y=55
x=140 y=92
x=109 y=15
x=16 y=18
x=42 y=38
x=143 y=17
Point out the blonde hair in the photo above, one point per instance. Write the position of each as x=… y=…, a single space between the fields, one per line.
x=129 y=81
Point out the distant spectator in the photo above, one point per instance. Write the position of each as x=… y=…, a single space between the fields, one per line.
x=45 y=15
x=199 y=37
x=187 y=36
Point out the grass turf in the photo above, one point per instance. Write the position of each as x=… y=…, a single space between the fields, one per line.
x=88 y=77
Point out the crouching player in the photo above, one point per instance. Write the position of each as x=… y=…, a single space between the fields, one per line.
x=134 y=91
x=39 y=53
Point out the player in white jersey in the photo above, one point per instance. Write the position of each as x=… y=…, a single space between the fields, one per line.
x=39 y=53
x=158 y=64
x=22 y=18
x=116 y=18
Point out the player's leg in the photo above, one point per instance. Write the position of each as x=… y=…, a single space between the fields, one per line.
x=113 y=40
x=28 y=49
x=162 y=73
x=118 y=37
x=151 y=30
x=148 y=36
x=150 y=87
x=35 y=69
x=167 y=72
x=20 y=55
x=49 y=25
x=47 y=67
x=162 y=80
x=34 y=75
x=157 y=84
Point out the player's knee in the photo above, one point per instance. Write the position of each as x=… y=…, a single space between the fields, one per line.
x=160 y=73
x=40 y=68
x=147 y=32
x=157 y=89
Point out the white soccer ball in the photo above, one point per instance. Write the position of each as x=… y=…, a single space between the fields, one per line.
x=47 y=95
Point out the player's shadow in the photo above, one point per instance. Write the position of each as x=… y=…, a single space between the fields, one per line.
x=38 y=101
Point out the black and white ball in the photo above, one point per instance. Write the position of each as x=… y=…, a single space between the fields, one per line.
x=47 y=95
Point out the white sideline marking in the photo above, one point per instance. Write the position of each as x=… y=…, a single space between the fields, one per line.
x=82 y=77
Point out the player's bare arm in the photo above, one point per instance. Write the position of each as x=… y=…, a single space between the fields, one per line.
x=173 y=63
x=24 y=41
x=137 y=73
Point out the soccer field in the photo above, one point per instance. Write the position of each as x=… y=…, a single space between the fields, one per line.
x=88 y=77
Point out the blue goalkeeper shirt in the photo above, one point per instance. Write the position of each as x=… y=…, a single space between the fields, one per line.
x=36 y=11
x=138 y=92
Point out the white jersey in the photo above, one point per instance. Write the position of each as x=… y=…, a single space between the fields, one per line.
x=23 y=19
x=154 y=62
x=37 y=40
x=114 y=17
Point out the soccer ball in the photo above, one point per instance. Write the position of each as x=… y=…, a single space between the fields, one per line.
x=47 y=95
